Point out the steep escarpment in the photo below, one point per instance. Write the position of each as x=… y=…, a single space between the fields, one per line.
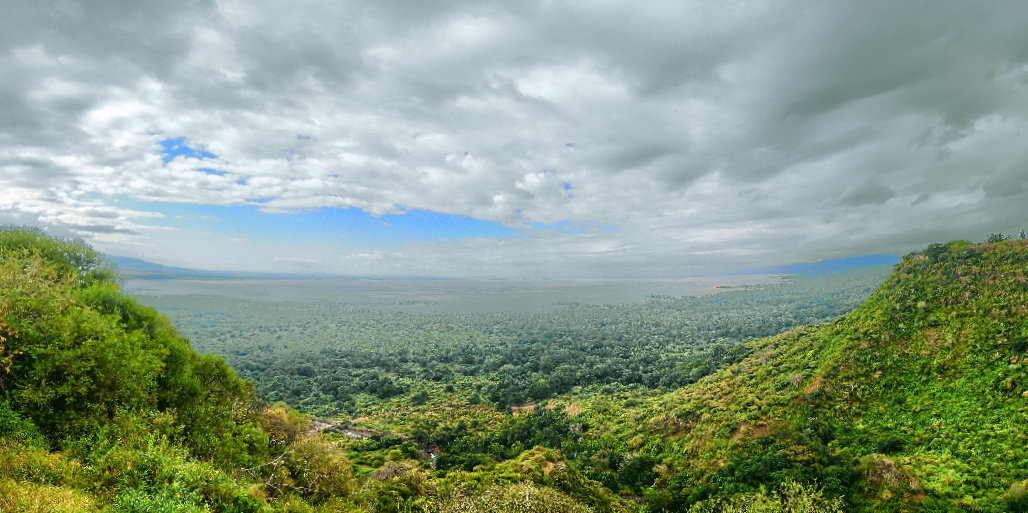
x=917 y=400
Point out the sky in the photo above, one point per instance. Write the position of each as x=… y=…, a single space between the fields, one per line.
x=513 y=139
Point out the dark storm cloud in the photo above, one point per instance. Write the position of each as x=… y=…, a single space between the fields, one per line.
x=851 y=126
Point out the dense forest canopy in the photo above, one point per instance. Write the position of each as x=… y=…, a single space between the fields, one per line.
x=327 y=357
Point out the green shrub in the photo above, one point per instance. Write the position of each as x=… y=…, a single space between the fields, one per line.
x=514 y=498
x=789 y=497
x=889 y=444
x=43 y=498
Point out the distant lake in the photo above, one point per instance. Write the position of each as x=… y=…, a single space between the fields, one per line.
x=443 y=296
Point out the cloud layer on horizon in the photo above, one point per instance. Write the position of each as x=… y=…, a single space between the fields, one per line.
x=673 y=137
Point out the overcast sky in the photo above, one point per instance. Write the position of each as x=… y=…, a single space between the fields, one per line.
x=568 y=139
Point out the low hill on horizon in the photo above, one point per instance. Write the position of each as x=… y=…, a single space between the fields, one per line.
x=136 y=268
x=141 y=269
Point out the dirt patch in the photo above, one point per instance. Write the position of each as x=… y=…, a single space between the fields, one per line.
x=903 y=345
x=361 y=433
x=934 y=337
x=572 y=409
x=320 y=425
x=880 y=469
x=814 y=385
x=524 y=408
x=749 y=431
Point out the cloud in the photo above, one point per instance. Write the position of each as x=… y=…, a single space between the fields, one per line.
x=710 y=134
x=871 y=192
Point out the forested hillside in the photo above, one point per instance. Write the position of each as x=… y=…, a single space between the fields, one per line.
x=104 y=407
x=915 y=401
x=330 y=359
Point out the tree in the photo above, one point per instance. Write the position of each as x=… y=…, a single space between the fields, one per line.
x=996 y=237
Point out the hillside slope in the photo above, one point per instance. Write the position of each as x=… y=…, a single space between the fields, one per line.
x=916 y=401
x=105 y=408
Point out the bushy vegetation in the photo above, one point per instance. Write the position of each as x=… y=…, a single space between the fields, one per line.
x=915 y=401
x=104 y=407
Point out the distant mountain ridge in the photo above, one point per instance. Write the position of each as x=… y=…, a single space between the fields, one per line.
x=134 y=268
x=142 y=269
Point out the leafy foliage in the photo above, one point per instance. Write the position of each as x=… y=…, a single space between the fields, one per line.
x=104 y=405
x=914 y=401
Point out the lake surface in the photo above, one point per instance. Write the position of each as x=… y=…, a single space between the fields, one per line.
x=444 y=296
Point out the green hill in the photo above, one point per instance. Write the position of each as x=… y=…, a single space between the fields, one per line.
x=104 y=407
x=916 y=401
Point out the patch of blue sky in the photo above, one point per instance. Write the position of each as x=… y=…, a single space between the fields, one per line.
x=333 y=227
x=212 y=171
x=177 y=146
x=567 y=186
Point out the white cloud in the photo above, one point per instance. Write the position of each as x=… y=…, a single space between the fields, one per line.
x=710 y=134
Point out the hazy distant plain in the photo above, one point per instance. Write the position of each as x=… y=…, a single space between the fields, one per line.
x=435 y=296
